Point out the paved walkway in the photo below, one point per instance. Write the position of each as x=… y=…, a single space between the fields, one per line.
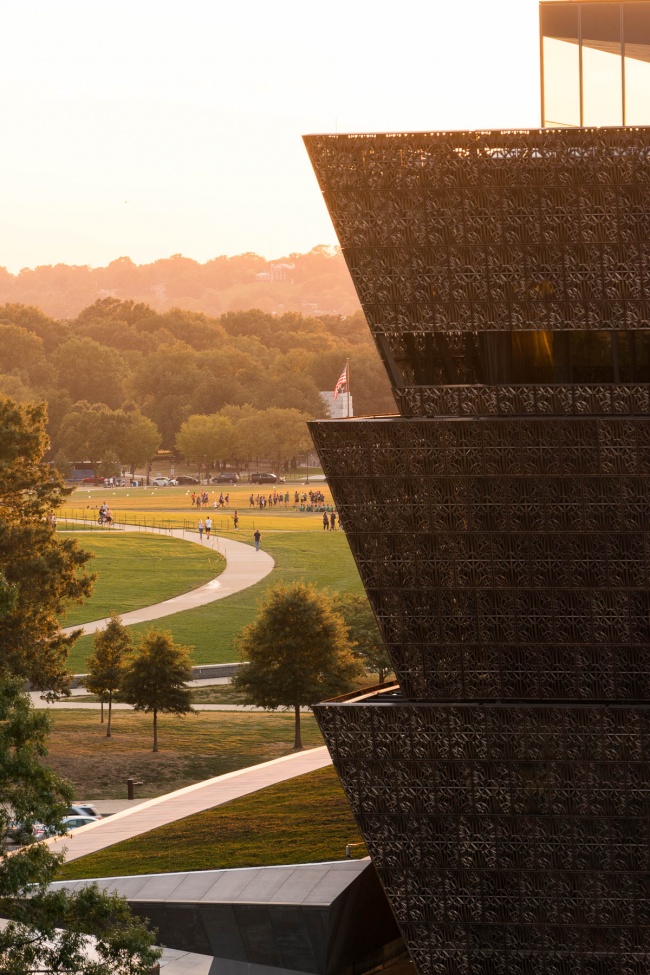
x=67 y=705
x=195 y=798
x=244 y=568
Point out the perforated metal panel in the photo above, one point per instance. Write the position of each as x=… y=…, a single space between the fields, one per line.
x=501 y=526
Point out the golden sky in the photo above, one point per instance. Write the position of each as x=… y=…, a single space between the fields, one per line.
x=148 y=128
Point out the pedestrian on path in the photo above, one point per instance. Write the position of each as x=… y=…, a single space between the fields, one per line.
x=208 y=526
x=200 y=526
x=257 y=537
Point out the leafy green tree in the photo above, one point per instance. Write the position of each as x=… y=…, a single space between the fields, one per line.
x=107 y=663
x=297 y=651
x=364 y=634
x=137 y=440
x=155 y=678
x=204 y=440
x=90 y=371
x=51 y=930
x=91 y=432
x=47 y=570
x=109 y=465
x=61 y=463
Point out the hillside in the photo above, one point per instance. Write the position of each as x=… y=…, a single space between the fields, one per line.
x=314 y=284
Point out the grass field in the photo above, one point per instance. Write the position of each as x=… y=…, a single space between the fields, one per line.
x=304 y=820
x=172 y=507
x=138 y=570
x=193 y=748
x=323 y=558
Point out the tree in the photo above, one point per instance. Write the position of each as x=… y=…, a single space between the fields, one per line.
x=155 y=678
x=298 y=652
x=90 y=432
x=205 y=439
x=137 y=441
x=50 y=931
x=286 y=435
x=107 y=663
x=90 y=371
x=47 y=570
x=364 y=634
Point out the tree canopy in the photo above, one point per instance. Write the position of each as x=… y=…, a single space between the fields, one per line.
x=46 y=571
x=51 y=930
x=120 y=358
x=364 y=633
x=155 y=678
x=105 y=666
x=297 y=651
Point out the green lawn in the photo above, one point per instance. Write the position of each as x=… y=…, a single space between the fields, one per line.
x=138 y=570
x=323 y=558
x=304 y=820
x=193 y=748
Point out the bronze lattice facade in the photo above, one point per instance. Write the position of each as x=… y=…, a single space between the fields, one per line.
x=501 y=526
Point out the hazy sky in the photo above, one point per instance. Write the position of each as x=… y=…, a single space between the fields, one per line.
x=148 y=128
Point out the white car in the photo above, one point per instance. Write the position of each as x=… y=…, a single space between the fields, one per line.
x=74 y=822
x=161 y=482
x=83 y=809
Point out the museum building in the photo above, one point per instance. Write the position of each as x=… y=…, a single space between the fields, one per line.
x=501 y=526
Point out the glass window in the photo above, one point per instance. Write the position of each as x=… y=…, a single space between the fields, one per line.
x=602 y=77
x=532 y=357
x=591 y=357
x=633 y=350
x=561 y=60
x=636 y=35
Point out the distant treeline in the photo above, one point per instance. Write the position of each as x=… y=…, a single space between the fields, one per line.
x=133 y=376
x=313 y=283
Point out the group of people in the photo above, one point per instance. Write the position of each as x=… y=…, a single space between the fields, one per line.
x=200 y=499
x=206 y=526
x=105 y=514
x=329 y=521
x=273 y=499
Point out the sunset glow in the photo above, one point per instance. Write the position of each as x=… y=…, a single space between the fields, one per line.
x=152 y=128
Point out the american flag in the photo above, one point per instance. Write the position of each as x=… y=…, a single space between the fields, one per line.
x=342 y=381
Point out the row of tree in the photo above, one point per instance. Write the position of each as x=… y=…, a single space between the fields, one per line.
x=118 y=439
x=301 y=647
x=169 y=367
x=151 y=676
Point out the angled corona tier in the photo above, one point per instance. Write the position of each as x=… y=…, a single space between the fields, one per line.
x=501 y=526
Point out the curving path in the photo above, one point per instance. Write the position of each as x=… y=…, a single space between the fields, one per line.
x=244 y=568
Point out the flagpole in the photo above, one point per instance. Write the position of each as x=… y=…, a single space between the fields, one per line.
x=347 y=383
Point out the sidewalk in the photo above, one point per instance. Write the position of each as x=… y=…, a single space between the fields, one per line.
x=244 y=567
x=195 y=798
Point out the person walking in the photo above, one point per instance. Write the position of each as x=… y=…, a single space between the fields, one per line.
x=200 y=527
x=326 y=523
x=235 y=519
x=257 y=536
x=333 y=521
x=208 y=526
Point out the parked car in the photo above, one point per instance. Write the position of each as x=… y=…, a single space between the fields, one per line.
x=185 y=479
x=74 y=822
x=161 y=482
x=226 y=477
x=258 y=478
x=83 y=809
